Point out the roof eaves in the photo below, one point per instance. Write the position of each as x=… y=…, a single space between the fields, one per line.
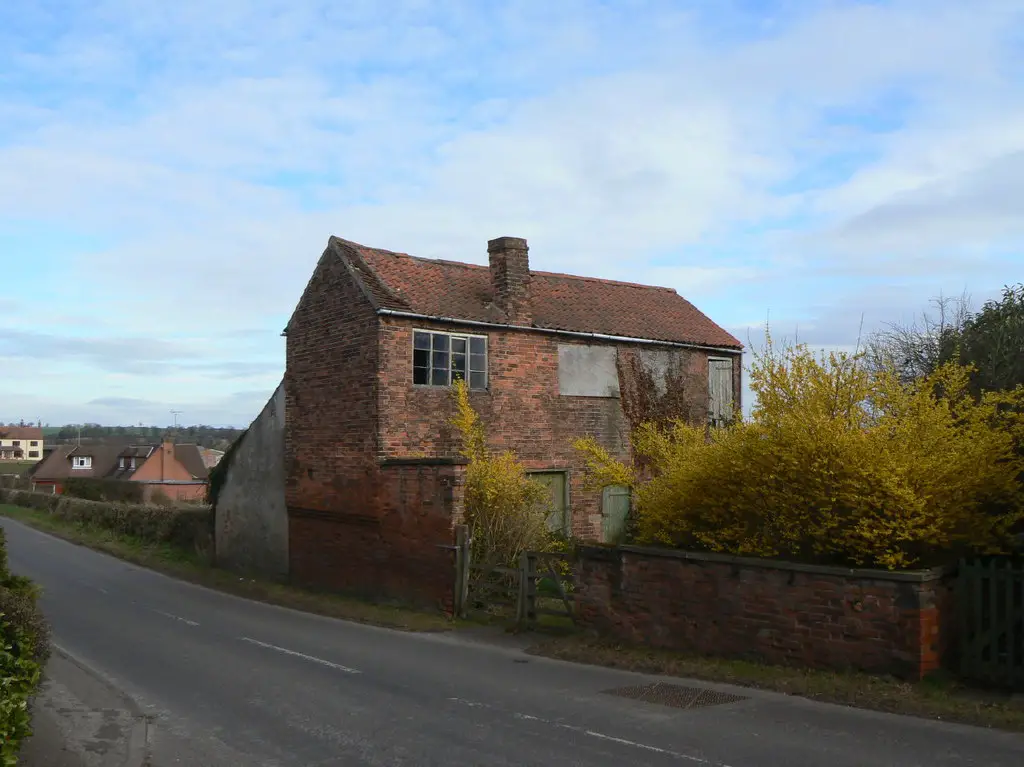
x=727 y=349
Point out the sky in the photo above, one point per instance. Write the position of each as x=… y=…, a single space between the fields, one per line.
x=170 y=172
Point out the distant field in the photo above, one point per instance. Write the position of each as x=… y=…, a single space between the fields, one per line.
x=16 y=467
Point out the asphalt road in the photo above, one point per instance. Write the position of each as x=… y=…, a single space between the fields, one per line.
x=231 y=682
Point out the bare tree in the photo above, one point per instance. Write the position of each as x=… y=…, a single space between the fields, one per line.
x=917 y=348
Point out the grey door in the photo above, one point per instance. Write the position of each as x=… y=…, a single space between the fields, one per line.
x=720 y=391
x=615 y=504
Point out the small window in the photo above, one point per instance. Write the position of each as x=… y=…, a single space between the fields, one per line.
x=17 y=443
x=81 y=462
x=34 y=443
x=438 y=359
x=131 y=464
x=33 y=453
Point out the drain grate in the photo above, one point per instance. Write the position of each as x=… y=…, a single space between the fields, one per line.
x=676 y=695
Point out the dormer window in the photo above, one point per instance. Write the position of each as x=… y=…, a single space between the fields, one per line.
x=81 y=462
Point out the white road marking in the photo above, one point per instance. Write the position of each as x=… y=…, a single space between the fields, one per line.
x=176 y=618
x=645 y=747
x=312 y=659
x=598 y=735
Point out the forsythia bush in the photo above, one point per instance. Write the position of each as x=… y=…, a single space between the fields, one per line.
x=836 y=465
x=505 y=510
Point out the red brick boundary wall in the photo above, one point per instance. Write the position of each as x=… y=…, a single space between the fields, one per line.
x=898 y=623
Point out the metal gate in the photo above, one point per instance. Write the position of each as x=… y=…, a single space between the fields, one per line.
x=990 y=609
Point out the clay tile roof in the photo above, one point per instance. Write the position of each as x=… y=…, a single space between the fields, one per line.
x=58 y=464
x=438 y=288
x=191 y=458
x=21 y=432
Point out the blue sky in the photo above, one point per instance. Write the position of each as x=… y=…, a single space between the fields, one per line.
x=170 y=172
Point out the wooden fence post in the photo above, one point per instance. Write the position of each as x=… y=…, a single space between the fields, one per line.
x=463 y=557
x=524 y=583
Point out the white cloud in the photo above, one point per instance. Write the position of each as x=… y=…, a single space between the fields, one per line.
x=212 y=150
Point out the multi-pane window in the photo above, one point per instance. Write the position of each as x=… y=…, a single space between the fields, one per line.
x=438 y=359
x=81 y=462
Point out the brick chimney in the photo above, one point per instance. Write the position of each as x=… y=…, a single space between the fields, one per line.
x=510 y=276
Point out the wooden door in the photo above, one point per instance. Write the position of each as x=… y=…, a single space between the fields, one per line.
x=615 y=505
x=557 y=485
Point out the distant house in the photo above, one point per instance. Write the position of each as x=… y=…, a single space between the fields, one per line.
x=21 y=443
x=176 y=470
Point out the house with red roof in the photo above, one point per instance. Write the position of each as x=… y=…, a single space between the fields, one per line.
x=174 y=470
x=371 y=463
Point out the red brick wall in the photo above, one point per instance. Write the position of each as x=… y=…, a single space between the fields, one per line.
x=776 y=612
x=522 y=411
x=400 y=548
x=354 y=525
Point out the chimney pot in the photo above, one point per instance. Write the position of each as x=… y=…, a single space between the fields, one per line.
x=510 y=276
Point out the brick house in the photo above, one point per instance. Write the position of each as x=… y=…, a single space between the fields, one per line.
x=21 y=443
x=176 y=470
x=372 y=469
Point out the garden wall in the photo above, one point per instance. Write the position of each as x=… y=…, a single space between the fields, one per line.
x=777 y=612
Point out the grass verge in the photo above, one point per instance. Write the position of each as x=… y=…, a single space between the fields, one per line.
x=189 y=566
x=939 y=697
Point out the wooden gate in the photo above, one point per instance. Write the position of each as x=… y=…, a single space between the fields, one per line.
x=539 y=586
x=482 y=588
x=545 y=588
x=990 y=609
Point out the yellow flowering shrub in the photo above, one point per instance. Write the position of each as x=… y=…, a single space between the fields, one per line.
x=505 y=510
x=837 y=464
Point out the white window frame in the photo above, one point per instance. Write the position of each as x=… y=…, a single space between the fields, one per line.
x=81 y=462
x=468 y=338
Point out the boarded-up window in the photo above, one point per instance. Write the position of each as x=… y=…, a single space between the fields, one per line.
x=555 y=482
x=720 y=391
x=615 y=502
x=587 y=371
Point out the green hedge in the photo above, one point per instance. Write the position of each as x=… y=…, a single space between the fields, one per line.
x=24 y=648
x=186 y=527
x=104 y=490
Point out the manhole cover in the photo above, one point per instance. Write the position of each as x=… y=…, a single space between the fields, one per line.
x=676 y=695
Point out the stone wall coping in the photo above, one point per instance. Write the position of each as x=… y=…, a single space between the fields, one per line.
x=906 y=576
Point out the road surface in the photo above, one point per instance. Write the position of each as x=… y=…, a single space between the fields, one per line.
x=230 y=683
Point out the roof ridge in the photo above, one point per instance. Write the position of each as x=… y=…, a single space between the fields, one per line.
x=540 y=272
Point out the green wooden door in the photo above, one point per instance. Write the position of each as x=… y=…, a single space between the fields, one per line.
x=555 y=482
x=615 y=502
